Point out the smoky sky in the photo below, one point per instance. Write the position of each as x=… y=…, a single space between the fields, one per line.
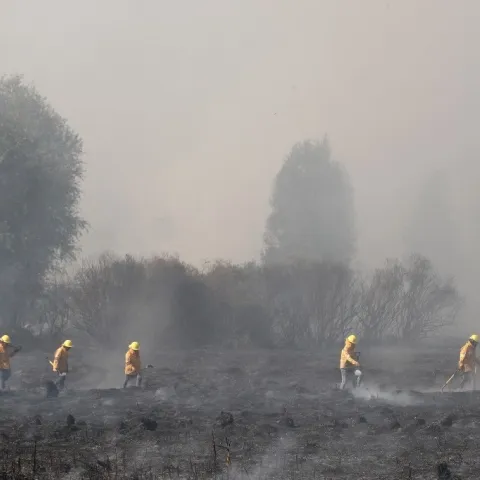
x=187 y=109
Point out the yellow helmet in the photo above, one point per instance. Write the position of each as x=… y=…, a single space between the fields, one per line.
x=134 y=346
x=352 y=339
x=474 y=337
x=5 y=339
x=67 y=343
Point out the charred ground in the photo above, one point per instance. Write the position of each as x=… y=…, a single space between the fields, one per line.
x=252 y=414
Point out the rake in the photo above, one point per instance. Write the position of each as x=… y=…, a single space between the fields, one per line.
x=450 y=379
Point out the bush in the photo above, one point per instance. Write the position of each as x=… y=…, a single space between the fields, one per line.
x=118 y=298
x=407 y=301
x=304 y=304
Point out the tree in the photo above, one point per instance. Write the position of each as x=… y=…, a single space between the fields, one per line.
x=381 y=301
x=407 y=300
x=312 y=205
x=312 y=303
x=430 y=302
x=40 y=174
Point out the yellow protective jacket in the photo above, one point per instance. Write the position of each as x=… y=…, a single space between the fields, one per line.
x=4 y=357
x=133 y=364
x=60 y=362
x=467 y=360
x=347 y=357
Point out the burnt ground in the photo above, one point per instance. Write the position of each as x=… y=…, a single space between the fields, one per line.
x=282 y=418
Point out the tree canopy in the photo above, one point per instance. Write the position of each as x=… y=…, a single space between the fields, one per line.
x=312 y=215
x=40 y=173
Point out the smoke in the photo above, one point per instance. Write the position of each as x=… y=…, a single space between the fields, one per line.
x=272 y=461
x=400 y=398
x=187 y=111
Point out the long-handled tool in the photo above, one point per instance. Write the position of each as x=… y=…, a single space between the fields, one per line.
x=16 y=349
x=474 y=382
x=450 y=379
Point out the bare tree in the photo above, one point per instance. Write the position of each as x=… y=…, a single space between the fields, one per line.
x=428 y=303
x=91 y=297
x=312 y=303
x=407 y=301
x=381 y=301
x=55 y=308
x=289 y=305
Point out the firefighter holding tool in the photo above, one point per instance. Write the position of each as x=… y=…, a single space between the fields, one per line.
x=133 y=365
x=7 y=351
x=468 y=360
x=60 y=363
x=349 y=365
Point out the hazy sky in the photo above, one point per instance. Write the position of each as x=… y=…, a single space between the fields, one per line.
x=188 y=107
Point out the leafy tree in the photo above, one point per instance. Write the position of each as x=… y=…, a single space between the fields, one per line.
x=312 y=205
x=40 y=174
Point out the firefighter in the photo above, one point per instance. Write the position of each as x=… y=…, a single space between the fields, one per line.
x=7 y=351
x=60 y=363
x=133 y=365
x=468 y=360
x=348 y=362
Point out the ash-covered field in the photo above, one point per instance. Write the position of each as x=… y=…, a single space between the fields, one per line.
x=243 y=415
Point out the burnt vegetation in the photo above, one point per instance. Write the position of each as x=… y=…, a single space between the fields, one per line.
x=302 y=304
